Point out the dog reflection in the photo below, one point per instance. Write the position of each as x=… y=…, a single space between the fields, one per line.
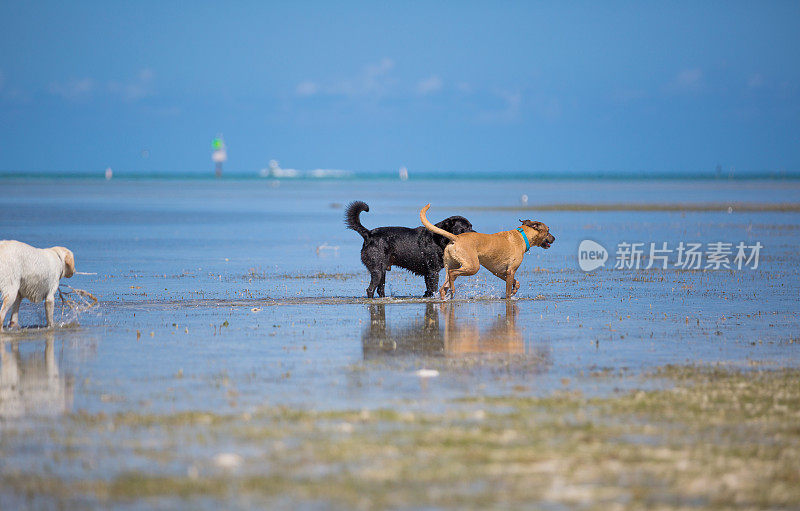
x=426 y=336
x=467 y=339
x=420 y=336
x=30 y=384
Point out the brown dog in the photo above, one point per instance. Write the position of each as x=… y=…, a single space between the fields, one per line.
x=501 y=253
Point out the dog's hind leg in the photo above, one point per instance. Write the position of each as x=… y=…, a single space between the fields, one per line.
x=382 y=285
x=469 y=265
x=448 y=262
x=15 y=311
x=447 y=286
x=431 y=283
x=377 y=275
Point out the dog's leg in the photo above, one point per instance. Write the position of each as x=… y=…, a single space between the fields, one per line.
x=447 y=284
x=512 y=286
x=15 y=311
x=449 y=281
x=49 y=305
x=507 y=276
x=431 y=283
x=8 y=302
x=469 y=266
x=377 y=275
x=382 y=285
x=450 y=264
x=514 y=283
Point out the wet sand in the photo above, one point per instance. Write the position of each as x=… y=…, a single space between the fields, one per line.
x=718 y=438
x=233 y=361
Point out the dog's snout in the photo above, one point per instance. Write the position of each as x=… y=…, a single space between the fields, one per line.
x=551 y=238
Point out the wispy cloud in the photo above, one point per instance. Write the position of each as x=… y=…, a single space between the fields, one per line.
x=687 y=80
x=429 y=85
x=509 y=110
x=74 y=89
x=373 y=79
x=464 y=87
x=513 y=101
x=139 y=87
x=306 y=88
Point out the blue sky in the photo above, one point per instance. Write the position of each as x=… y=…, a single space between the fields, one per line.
x=434 y=86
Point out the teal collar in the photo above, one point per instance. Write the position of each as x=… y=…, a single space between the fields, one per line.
x=525 y=237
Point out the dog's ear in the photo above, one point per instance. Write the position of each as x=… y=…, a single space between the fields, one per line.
x=69 y=260
x=69 y=264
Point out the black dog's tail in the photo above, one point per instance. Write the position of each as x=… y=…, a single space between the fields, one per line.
x=351 y=219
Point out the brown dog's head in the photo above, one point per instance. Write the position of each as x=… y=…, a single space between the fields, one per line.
x=538 y=233
x=68 y=259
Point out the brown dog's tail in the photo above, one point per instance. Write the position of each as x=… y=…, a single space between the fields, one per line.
x=432 y=227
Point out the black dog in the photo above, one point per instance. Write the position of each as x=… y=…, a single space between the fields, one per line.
x=417 y=250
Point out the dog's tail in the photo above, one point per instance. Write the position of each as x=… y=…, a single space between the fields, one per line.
x=351 y=217
x=432 y=227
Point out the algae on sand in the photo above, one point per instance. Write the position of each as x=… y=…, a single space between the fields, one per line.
x=719 y=438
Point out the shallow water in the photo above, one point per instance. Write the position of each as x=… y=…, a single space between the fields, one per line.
x=227 y=296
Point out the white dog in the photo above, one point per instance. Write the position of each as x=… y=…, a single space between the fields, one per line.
x=32 y=273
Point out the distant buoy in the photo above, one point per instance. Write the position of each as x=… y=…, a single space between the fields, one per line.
x=524 y=199
x=219 y=154
x=109 y=173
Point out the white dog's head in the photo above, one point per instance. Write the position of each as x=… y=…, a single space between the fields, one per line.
x=66 y=256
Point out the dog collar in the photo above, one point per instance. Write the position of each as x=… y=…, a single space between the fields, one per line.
x=525 y=237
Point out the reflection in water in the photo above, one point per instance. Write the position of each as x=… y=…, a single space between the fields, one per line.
x=502 y=337
x=456 y=338
x=421 y=337
x=30 y=384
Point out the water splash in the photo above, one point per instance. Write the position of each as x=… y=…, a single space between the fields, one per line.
x=74 y=302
